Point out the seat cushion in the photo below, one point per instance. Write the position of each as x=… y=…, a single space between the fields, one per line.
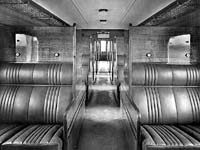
x=167 y=105
x=7 y=131
x=36 y=137
x=170 y=137
x=34 y=104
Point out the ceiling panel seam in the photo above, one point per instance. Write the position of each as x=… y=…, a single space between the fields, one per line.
x=77 y=6
x=132 y=3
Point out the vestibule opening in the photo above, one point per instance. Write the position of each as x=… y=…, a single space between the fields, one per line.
x=103 y=60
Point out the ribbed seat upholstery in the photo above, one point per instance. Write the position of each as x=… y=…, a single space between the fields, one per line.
x=170 y=136
x=33 y=100
x=36 y=137
x=165 y=75
x=8 y=130
x=39 y=74
x=168 y=105
x=168 y=98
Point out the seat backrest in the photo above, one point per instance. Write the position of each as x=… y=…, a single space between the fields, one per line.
x=167 y=94
x=165 y=75
x=38 y=74
x=34 y=93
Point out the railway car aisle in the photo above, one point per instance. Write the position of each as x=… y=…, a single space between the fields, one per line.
x=102 y=127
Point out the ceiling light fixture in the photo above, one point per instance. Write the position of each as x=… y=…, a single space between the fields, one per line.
x=103 y=21
x=103 y=14
x=103 y=10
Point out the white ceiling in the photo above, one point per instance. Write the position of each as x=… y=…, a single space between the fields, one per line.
x=120 y=12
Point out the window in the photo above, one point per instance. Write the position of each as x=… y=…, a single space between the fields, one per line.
x=26 y=48
x=103 y=46
x=179 y=49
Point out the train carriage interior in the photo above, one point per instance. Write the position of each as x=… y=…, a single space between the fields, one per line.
x=99 y=75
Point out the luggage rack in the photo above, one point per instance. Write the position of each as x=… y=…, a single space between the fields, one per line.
x=34 y=11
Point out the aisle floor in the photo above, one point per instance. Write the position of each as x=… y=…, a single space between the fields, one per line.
x=102 y=127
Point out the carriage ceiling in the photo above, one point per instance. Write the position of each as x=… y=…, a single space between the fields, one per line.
x=119 y=15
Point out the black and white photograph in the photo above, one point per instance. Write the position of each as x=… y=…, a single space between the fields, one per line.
x=99 y=74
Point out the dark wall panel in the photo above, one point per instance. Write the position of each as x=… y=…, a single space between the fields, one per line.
x=7 y=44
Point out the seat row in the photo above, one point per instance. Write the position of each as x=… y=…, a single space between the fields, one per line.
x=163 y=106
x=33 y=101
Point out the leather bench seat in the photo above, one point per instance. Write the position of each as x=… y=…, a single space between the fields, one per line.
x=36 y=137
x=33 y=101
x=168 y=99
x=169 y=117
x=170 y=137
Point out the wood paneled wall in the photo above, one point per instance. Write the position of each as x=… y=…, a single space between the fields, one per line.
x=51 y=40
x=82 y=55
x=54 y=40
x=154 y=40
x=122 y=56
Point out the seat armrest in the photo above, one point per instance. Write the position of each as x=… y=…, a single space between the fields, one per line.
x=130 y=113
x=73 y=119
x=87 y=89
